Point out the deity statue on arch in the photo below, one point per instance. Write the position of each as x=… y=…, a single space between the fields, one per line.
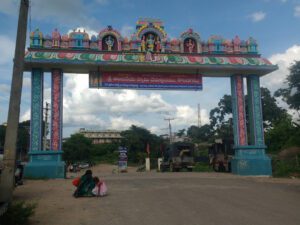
x=190 y=45
x=109 y=41
x=143 y=44
x=157 y=44
x=150 y=42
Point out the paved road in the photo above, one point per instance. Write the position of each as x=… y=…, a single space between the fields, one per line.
x=168 y=198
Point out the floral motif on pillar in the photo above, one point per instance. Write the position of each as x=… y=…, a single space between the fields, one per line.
x=56 y=112
x=37 y=81
x=255 y=112
x=238 y=110
x=241 y=111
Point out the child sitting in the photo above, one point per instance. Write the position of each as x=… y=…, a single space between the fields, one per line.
x=100 y=188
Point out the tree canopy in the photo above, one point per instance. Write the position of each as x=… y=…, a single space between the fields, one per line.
x=291 y=94
x=77 y=148
x=136 y=140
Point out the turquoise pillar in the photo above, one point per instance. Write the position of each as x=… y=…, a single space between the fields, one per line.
x=262 y=163
x=248 y=159
x=42 y=164
x=255 y=111
x=36 y=118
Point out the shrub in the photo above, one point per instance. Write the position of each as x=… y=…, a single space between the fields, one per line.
x=202 y=167
x=18 y=213
x=285 y=168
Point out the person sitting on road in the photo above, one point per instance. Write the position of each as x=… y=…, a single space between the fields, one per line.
x=85 y=186
x=100 y=188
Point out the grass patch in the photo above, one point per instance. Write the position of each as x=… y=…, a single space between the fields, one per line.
x=18 y=213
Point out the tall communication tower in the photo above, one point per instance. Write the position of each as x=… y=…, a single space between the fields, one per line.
x=170 y=128
x=199 y=116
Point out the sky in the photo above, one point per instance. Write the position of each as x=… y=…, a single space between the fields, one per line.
x=275 y=24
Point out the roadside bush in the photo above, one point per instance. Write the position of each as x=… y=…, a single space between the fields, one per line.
x=202 y=167
x=18 y=213
x=285 y=168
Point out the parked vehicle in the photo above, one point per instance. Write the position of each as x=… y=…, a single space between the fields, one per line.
x=84 y=165
x=19 y=173
x=220 y=155
x=178 y=156
x=74 y=167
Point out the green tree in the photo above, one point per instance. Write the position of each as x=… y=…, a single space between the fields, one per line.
x=136 y=140
x=221 y=113
x=23 y=137
x=221 y=123
x=277 y=137
x=200 y=134
x=181 y=132
x=272 y=113
x=291 y=94
x=106 y=152
x=77 y=148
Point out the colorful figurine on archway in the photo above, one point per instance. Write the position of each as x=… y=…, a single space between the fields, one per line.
x=148 y=59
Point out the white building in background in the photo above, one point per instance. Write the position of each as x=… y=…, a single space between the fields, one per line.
x=101 y=137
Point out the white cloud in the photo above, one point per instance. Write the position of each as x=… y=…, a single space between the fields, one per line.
x=257 y=16
x=186 y=115
x=297 y=11
x=275 y=80
x=155 y=129
x=25 y=116
x=88 y=30
x=7 y=47
x=119 y=123
x=84 y=106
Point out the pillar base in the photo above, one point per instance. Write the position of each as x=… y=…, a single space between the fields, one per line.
x=45 y=165
x=251 y=161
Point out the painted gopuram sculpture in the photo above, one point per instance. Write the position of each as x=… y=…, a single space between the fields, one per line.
x=147 y=59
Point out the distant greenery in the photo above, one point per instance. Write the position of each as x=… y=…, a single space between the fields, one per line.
x=107 y=152
x=23 y=136
x=18 y=213
x=286 y=168
x=77 y=148
x=202 y=167
x=136 y=140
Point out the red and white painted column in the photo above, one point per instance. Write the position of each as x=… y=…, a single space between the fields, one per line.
x=238 y=111
x=56 y=109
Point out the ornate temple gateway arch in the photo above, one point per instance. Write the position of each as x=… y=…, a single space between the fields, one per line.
x=147 y=60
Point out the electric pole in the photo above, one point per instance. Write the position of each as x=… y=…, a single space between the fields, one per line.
x=199 y=116
x=170 y=128
x=45 y=126
x=9 y=157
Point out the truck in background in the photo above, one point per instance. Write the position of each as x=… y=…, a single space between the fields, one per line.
x=220 y=154
x=177 y=156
